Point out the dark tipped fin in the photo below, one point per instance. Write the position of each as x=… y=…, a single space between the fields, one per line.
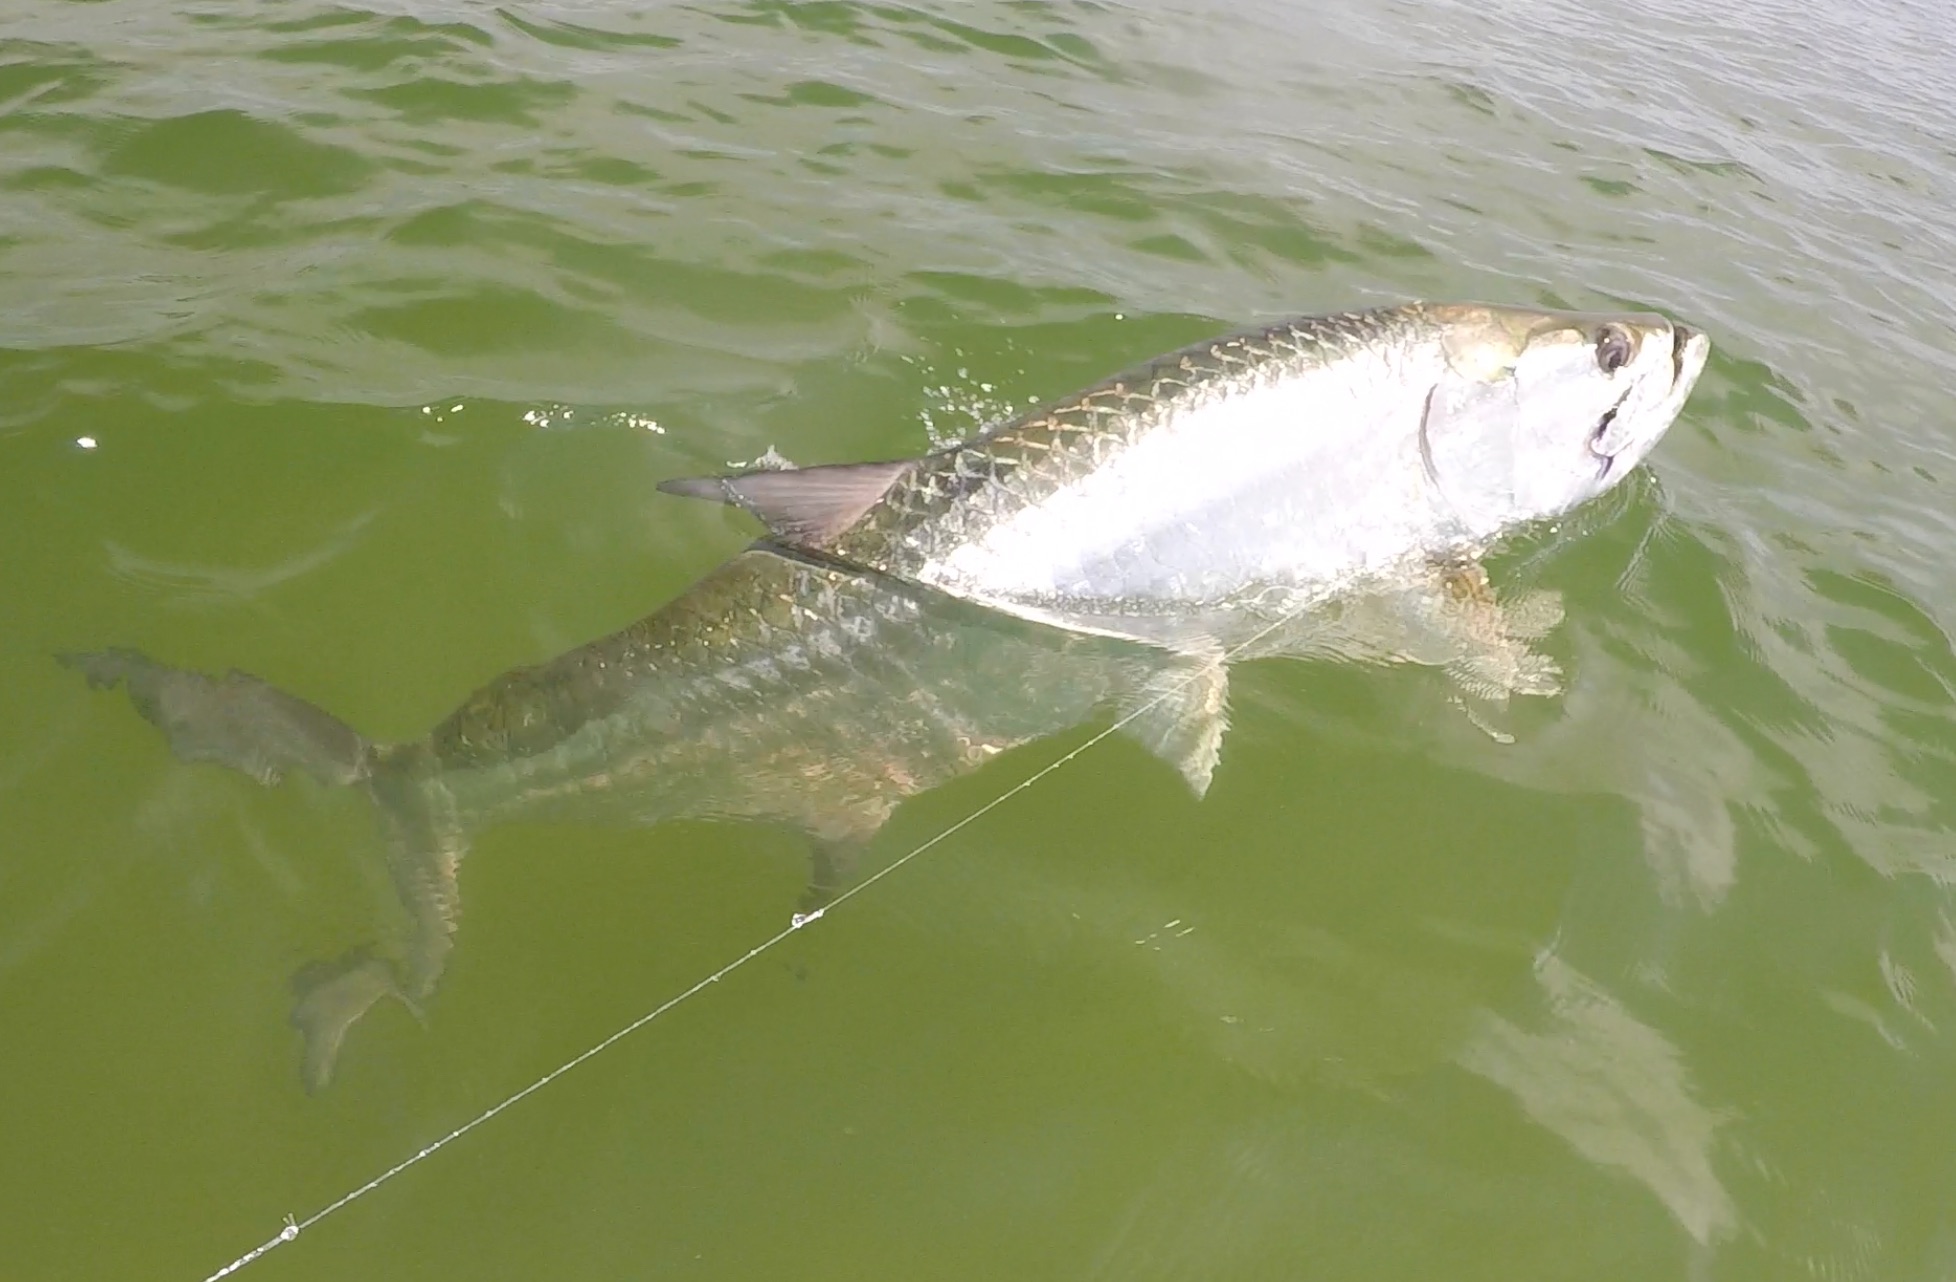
x=806 y=506
x=235 y=720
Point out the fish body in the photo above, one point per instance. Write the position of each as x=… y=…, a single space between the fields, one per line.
x=1310 y=459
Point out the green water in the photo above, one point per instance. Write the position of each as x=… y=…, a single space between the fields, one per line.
x=345 y=346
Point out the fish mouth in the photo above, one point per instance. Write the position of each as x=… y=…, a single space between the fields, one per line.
x=1681 y=336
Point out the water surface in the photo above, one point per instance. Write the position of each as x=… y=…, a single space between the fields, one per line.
x=344 y=345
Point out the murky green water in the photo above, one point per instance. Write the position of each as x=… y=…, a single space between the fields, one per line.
x=344 y=346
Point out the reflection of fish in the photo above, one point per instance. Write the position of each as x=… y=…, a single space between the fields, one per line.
x=1282 y=468
x=777 y=690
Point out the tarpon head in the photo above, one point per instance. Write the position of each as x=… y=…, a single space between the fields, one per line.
x=1536 y=412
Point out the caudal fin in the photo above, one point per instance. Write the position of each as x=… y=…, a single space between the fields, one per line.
x=235 y=720
x=239 y=721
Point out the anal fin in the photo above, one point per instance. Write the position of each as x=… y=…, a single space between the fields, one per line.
x=1180 y=713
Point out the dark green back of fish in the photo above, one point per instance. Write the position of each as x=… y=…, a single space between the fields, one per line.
x=777 y=688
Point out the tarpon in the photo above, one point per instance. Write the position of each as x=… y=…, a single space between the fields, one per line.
x=1326 y=458
x=1321 y=487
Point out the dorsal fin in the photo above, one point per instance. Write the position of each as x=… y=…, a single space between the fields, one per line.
x=807 y=506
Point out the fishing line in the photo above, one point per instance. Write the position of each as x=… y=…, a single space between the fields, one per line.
x=293 y=1227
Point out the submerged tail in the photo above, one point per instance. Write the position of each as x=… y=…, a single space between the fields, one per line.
x=234 y=720
x=239 y=721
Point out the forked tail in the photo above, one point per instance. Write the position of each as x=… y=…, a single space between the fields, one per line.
x=239 y=721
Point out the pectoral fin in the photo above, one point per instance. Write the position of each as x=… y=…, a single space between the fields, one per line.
x=806 y=506
x=1484 y=645
x=1448 y=617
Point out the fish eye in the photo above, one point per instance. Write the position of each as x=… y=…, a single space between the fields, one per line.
x=1613 y=348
